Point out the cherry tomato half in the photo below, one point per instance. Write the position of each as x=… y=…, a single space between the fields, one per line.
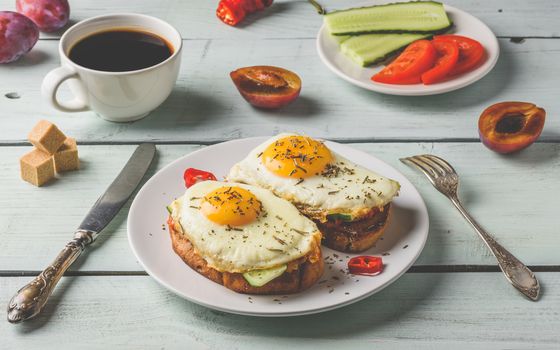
x=448 y=55
x=417 y=58
x=267 y=86
x=193 y=176
x=471 y=52
x=365 y=265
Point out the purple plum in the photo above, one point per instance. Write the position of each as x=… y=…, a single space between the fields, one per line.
x=48 y=15
x=18 y=35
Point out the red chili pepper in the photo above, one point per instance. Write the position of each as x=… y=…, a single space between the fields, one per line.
x=232 y=12
x=193 y=176
x=365 y=265
x=251 y=6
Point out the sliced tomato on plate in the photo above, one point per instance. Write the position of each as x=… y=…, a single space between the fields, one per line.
x=448 y=56
x=471 y=52
x=417 y=58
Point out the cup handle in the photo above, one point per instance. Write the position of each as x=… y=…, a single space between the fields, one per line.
x=50 y=86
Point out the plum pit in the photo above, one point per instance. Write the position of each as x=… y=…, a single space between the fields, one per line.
x=510 y=123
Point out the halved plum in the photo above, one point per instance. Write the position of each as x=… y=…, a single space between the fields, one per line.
x=267 y=86
x=508 y=127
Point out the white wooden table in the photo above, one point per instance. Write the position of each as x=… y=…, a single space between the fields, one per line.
x=454 y=296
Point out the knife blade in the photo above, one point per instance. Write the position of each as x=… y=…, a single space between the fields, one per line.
x=109 y=204
x=29 y=300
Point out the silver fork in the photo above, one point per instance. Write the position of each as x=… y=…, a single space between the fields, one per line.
x=444 y=178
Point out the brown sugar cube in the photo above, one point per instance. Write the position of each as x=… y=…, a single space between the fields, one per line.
x=66 y=158
x=46 y=137
x=37 y=167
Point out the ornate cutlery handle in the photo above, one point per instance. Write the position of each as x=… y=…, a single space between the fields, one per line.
x=515 y=271
x=30 y=299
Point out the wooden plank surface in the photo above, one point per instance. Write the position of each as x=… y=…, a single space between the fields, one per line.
x=206 y=107
x=514 y=197
x=420 y=311
x=110 y=303
x=196 y=19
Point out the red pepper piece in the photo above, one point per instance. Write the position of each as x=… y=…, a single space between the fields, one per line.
x=234 y=11
x=261 y=4
x=193 y=176
x=252 y=5
x=231 y=12
x=365 y=265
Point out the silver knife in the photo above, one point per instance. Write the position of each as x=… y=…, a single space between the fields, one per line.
x=29 y=300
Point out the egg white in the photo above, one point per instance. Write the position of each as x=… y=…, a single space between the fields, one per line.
x=354 y=190
x=280 y=234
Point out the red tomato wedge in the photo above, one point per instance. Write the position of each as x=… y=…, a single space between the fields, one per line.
x=448 y=56
x=471 y=52
x=417 y=58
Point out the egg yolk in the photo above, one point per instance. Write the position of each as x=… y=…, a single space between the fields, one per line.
x=232 y=206
x=296 y=157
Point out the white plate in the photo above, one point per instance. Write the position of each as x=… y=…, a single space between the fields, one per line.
x=403 y=242
x=464 y=24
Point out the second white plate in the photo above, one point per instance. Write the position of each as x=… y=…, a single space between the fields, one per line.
x=402 y=243
x=464 y=24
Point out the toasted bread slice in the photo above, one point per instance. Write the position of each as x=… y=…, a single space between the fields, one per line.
x=301 y=273
x=355 y=236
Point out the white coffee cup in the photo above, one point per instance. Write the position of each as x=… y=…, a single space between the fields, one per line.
x=115 y=96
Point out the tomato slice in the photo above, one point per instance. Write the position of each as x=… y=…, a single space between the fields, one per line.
x=417 y=58
x=192 y=176
x=448 y=55
x=471 y=52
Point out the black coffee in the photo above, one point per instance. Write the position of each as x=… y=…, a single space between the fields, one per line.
x=120 y=50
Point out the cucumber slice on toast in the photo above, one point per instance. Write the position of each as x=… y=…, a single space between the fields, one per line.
x=259 y=278
x=339 y=216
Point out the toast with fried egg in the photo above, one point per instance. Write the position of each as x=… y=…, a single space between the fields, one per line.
x=236 y=233
x=350 y=204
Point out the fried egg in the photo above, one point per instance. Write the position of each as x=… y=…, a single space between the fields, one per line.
x=317 y=180
x=238 y=228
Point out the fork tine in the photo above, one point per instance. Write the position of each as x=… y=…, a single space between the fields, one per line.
x=431 y=169
x=420 y=166
x=429 y=161
x=442 y=162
